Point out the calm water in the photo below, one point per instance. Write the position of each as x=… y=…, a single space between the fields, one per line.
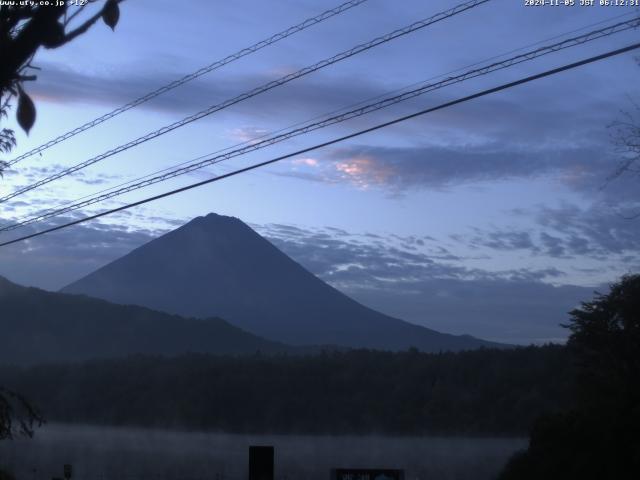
x=100 y=453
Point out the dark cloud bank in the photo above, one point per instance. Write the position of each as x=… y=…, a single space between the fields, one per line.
x=430 y=287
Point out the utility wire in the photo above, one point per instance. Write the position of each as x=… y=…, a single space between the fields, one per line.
x=357 y=112
x=309 y=22
x=335 y=140
x=342 y=109
x=256 y=91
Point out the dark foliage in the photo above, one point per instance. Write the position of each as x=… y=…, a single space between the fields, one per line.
x=605 y=341
x=25 y=27
x=17 y=415
x=6 y=475
x=599 y=437
x=579 y=445
x=474 y=392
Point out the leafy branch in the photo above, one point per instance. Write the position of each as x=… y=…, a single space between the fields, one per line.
x=17 y=415
x=23 y=30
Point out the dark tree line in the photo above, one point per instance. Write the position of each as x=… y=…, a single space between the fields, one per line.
x=598 y=437
x=475 y=392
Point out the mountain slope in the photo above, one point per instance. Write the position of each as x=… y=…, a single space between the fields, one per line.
x=218 y=266
x=38 y=326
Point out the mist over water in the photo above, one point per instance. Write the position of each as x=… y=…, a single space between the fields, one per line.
x=112 y=453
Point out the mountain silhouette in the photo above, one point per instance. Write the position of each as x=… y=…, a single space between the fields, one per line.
x=38 y=326
x=218 y=266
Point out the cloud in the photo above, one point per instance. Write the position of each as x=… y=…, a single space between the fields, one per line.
x=563 y=137
x=58 y=258
x=441 y=167
x=489 y=140
x=599 y=232
x=248 y=134
x=398 y=169
x=520 y=311
x=319 y=93
x=96 y=178
x=309 y=162
x=420 y=280
x=342 y=258
x=367 y=260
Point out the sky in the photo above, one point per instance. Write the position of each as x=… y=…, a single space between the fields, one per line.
x=494 y=217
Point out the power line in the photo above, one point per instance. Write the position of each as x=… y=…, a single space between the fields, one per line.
x=256 y=91
x=335 y=140
x=342 y=109
x=167 y=174
x=354 y=105
x=309 y=22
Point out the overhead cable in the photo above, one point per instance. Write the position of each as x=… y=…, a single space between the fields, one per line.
x=331 y=142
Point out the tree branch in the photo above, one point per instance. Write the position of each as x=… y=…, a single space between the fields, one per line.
x=86 y=25
x=74 y=14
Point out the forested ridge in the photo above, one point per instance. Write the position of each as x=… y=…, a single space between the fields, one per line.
x=484 y=391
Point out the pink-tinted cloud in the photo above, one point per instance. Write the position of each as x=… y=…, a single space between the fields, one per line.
x=363 y=171
x=309 y=162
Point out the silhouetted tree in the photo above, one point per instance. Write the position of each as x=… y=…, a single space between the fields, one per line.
x=599 y=438
x=17 y=415
x=6 y=475
x=626 y=137
x=24 y=28
x=605 y=341
x=625 y=134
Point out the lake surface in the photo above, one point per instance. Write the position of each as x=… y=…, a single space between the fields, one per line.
x=109 y=453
